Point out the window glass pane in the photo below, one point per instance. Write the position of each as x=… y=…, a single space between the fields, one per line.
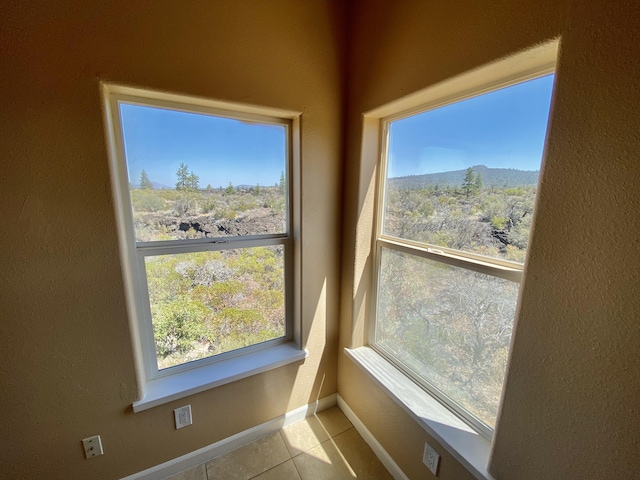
x=449 y=325
x=464 y=176
x=207 y=303
x=196 y=176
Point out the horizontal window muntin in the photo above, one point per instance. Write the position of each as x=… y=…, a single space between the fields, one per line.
x=479 y=263
x=211 y=241
x=168 y=247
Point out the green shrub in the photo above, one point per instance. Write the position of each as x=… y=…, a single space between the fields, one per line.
x=146 y=201
x=209 y=205
x=177 y=325
x=186 y=204
x=515 y=254
x=498 y=222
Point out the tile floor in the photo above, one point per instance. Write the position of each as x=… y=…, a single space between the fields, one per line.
x=325 y=446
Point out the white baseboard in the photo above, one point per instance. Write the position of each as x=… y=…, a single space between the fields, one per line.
x=364 y=432
x=238 y=440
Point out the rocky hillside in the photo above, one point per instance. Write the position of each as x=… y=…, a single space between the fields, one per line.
x=491 y=177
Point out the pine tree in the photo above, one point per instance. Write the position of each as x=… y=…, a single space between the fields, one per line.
x=469 y=183
x=187 y=180
x=478 y=183
x=183 y=177
x=145 y=183
x=193 y=182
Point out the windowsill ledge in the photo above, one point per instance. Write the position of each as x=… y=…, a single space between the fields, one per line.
x=173 y=387
x=466 y=445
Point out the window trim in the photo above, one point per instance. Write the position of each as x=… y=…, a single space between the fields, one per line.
x=160 y=386
x=465 y=444
x=519 y=68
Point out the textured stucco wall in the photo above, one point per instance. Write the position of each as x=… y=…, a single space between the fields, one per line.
x=66 y=365
x=573 y=390
x=572 y=403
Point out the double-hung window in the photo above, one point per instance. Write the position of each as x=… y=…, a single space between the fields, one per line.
x=204 y=204
x=456 y=199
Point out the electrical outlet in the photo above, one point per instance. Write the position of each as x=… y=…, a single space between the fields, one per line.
x=431 y=459
x=92 y=446
x=183 y=416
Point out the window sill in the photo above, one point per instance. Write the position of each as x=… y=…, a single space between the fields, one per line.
x=173 y=387
x=466 y=445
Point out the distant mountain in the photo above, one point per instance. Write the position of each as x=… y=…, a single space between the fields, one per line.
x=159 y=186
x=491 y=177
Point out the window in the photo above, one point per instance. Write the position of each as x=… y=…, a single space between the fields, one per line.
x=456 y=199
x=205 y=202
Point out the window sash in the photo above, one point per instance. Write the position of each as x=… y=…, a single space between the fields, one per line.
x=513 y=275
x=147 y=337
x=118 y=99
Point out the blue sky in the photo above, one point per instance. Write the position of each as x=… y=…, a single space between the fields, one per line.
x=218 y=150
x=501 y=129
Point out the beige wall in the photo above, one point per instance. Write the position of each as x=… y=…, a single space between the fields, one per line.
x=574 y=385
x=571 y=409
x=66 y=365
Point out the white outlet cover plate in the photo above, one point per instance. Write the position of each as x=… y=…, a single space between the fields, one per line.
x=183 y=416
x=92 y=446
x=431 y=459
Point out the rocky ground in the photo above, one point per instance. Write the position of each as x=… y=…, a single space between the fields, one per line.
x=160 y=226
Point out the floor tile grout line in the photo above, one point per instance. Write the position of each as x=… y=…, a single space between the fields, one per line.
x=269 y=469
x=331 y=437
x=284 y=440
x=275 y=466
x=335 y=445
x=206 y=471
x=297 y=470
x=291 y=457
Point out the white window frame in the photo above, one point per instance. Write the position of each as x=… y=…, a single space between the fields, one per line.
x=160 y=386
x=444 y=94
